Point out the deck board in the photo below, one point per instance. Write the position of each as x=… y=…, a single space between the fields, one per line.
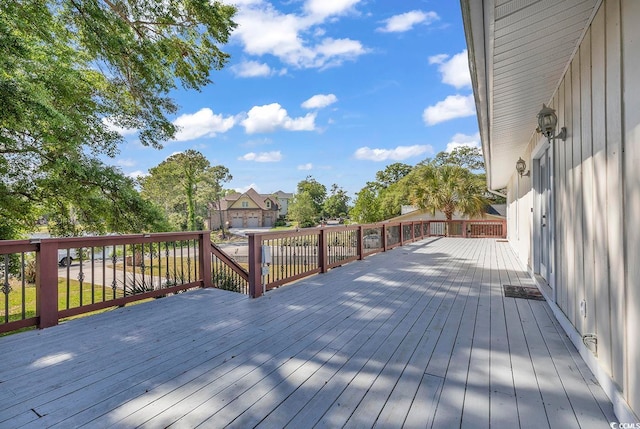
x=420 y=336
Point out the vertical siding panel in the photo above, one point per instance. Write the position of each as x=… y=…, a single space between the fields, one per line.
x=566 y=170
x=615 y=219
x=558 y=218
x=630 y=13
x=599 y=130
x=576 y=282
x=564 y=256
x=586 y=186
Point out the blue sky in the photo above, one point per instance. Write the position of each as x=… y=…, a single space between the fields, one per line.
x=335 y=89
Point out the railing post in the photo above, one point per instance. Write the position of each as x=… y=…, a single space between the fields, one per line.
x=204 y=252
x=383 y=237
x=504 y=228
x=255 y=265
x=47 y=283
x=322 y=250
x=464 y=229
x=360 y=242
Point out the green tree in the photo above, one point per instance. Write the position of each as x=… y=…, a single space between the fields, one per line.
x=109 y=202
x=463 y=156
x=176 y=183
x=337 y=204
x=302 y=209
x=448 y=188
x=366 y=208
x=392 y=173
x=316 y=190
x=71 y=71
x=382 y=199
x=212 y=190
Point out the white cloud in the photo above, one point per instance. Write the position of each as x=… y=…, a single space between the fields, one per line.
x=111 y=126
x=319 y=101
x=126 y=162
x=460 y=140
x=274 y=156
x=454 y=106
x=326 y=8
x=295 y=39
x=406 y=21
x=203 y=123
x=454 y=70
x=244 y=189
x=307 y=166
x=270 y=117
x=251 y=69
x=438 y=59
x=398 y=154
x=138 y=173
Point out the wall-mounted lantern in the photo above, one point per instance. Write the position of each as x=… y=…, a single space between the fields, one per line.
x=521 y=166
x=547 y=121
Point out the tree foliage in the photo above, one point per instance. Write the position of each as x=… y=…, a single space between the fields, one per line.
x=182 y=181
x=316 y=190
x=384 y=198
x=71 y=73
x=463 y=156
x=451 y=182
x=447 y=188
x=391 y=174
x=366 y=208
x=302 y=210
x=337 y=204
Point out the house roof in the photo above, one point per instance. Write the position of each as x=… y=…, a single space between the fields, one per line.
x=499 y=210
x=518 y=53
x=259 y=199
x=284 y=195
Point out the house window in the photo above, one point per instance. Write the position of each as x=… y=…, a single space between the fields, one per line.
x=245 y=204
x=268 y=204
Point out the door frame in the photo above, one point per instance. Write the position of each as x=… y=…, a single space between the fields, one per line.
x=543 y=149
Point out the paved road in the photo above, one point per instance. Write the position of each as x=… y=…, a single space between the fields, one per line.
x=100 y=275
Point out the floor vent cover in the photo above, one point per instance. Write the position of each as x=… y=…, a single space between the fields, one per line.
x=526 y=292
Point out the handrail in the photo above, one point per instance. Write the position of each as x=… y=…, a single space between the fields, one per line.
x=44 y=280
x=237 y=268
x=304 y=252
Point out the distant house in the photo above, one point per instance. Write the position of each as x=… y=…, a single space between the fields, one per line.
x=283 y=202
x=247 y=210
x=412 y=213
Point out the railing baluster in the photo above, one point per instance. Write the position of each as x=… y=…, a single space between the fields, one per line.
x=6 y=288
x=23 y=285
x=93 y=279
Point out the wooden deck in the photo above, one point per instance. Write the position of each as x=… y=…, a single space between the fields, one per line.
x=420 y=336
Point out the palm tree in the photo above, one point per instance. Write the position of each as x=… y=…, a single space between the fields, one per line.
x=447 y=188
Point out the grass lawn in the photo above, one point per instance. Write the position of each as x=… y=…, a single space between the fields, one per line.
x=71 y=299
x=179 y=267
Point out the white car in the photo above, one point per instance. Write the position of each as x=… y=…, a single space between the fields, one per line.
x=64 y=258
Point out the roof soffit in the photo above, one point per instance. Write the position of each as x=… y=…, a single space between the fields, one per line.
x=518 y=53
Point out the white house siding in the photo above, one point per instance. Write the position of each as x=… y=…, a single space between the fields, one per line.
x=630 y=14
x=596 y=193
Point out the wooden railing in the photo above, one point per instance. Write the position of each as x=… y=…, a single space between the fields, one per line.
x=45 y=280
x=278 y=258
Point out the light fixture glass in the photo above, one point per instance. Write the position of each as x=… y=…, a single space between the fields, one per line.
x=547 y=121
x=521 y=166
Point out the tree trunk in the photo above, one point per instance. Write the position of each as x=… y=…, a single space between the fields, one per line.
x=224 y=237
